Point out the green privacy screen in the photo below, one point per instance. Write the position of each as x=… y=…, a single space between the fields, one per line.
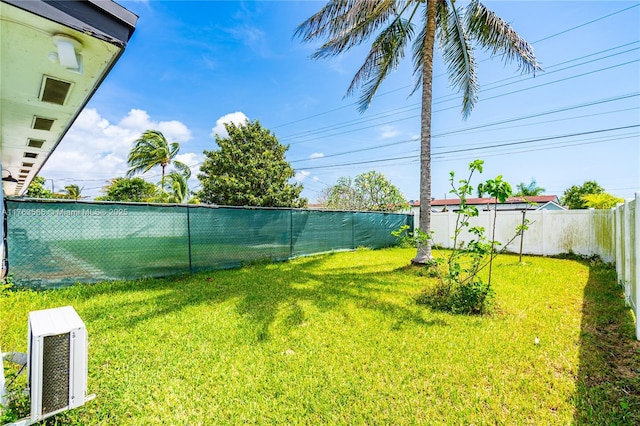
x=58 y=243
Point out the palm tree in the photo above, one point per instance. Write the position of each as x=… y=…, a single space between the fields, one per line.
x=73 y=192
x=152 y=149
x=530 y=190
x=342 y=25
x=176 y=188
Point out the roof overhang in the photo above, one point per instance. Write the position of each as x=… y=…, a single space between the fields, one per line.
x=53 y=57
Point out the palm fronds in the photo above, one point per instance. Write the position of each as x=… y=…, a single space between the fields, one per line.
x=498 y=37
x=386 y=53
x=457 y=53
x=345 y=24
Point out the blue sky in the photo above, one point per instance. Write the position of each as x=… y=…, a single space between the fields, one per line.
x=191 y=65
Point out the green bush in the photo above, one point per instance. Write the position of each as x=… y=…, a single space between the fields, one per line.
x=469 y=298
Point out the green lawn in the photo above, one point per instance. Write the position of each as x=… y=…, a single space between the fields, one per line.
x=338 y=339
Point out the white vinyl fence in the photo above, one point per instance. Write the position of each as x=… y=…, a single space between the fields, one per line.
x=627 y=230
x=613 y=235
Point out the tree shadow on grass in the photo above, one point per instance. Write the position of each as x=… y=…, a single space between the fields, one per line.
x=261 y=291
x=608 y=382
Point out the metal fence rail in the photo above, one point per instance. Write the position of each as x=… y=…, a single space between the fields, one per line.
x=58 y=243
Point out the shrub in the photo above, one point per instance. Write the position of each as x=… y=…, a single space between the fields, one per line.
x=460 y=288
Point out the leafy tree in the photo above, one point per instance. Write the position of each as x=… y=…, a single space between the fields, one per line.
x=573 y=196
x=394 y=24
x=36 y=188
x=249 y=169
x=601 y=201
x=369 y=191
x=152 y=149
x=342 y=196
x=530 y=190
x=129 y=189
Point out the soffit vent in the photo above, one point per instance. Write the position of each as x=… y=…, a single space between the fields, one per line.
x=24 y=172
x=27 y=164
x=35 y=143
x=30 y=155
x=54 y=91
x=40 y=123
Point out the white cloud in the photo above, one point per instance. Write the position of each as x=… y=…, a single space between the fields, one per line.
x=316 y=155
x=302 y=175
x=388 y=132
x=192 y=160
x=95 y=151
x=138 y=120
x=234 y=117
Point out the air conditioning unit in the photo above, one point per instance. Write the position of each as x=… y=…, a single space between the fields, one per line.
x=56 y=363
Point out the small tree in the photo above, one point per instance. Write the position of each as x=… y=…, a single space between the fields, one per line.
x=601 y=201
x=460 y=289
x=500 y=190
x=129 y=189
x=369 y=191
x=573 y=196
x=249 y=169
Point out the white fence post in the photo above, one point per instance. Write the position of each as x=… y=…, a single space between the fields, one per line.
x=635 y=275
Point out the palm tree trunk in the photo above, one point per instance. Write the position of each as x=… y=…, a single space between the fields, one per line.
x=424 y=248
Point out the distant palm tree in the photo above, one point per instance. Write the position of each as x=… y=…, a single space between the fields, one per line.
x=342 y=25
x=176 y=188
x=73 y=192
x=530 y=190
x=152 y=149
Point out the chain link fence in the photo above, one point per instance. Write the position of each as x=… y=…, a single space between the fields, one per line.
x=58 y=243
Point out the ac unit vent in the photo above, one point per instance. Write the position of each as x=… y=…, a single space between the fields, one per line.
x=55 y=91
x=57 y=361
x=40 y=123
x=35 y=143
x=30 y=155
x=55 y=378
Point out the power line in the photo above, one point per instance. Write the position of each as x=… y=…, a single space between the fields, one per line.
x=585 y=24
x=480 y=126
x=445 y=74
x=480 y=148
x=450 y=97
x=482 y=100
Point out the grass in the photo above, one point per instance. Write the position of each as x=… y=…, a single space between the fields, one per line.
x=339 y=339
